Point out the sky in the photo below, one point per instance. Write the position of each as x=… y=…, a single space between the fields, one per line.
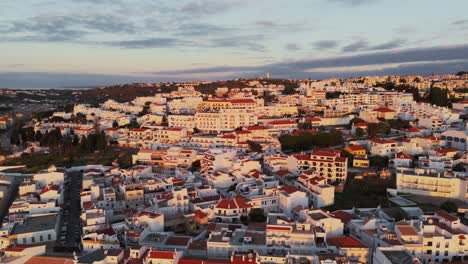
x=62 y=43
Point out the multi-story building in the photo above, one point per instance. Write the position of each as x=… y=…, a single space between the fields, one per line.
x=327 y=163
x=224 y=120
x=431 y=183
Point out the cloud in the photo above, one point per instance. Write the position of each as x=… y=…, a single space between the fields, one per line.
x=268 y=25
x=325 y=44
x=352 y=3
x=61 y=28
x=292 y=47
x=356 y=46
x=209 y=7
x=146 y=43
x=460 y=22
x=373 y=59
x=202 y=30
x=363 y=45
x=444 y=59
x=388 y=45
x=248 y=42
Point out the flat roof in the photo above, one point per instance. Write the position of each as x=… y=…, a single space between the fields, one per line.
x=398 y=256
x=35 y=224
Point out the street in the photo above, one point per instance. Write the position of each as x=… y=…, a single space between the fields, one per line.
x=69 y=237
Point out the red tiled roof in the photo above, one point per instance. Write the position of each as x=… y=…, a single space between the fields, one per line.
x=407 y=230
x=278 y=228
x=446 y=216
x=199 y=214
x=345 y=242
x=17 y=248
x=361 y=124
x=233 y=203
x=444 y=151
x=139 y=129
x=301 y=156
x=191 y=261
x=178 y=241
x=345 y=217
x=283 y=122
x=49 y=260
x=413 y=130
x=242 y=101
x=403 y=155
x=356 y=147
x=289 y=189
x=384 y=110
x=256 y=128
x=160 y=254
x=308 y=131
x=50 y=188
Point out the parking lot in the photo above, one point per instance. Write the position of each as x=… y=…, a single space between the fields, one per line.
x=69 y=238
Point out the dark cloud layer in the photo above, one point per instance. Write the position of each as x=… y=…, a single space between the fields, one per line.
x=433 y=54
x=411 y=61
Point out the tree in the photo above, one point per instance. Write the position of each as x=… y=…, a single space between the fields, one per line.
x=125 y=160
x=257 y=215
x=350 y=157
x=255 y=147
x=459 y=167
x=38 y=136
x=295 y=143
x=379 y=161
x=438 y=96
x=289 y=89
x=381 y=128
x=305 y=125
x=449 y=207
x=332 y=95
x=359 y=132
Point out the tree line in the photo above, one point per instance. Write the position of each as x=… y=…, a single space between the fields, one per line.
x=302 y=142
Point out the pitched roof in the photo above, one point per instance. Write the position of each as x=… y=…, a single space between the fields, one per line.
x=403 y=155
x=49 y=260
x=383 y=110
x=407 y=230
x=345 y=217
x=161 y=254
x=233 y=203
x=50 y=188
x=289 y=189
x=345 y=242
x=446 y=216
x=355 y=147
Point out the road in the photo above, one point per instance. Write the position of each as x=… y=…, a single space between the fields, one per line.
x=69 y=237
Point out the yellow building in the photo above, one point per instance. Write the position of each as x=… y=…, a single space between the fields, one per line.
x=356 y=150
